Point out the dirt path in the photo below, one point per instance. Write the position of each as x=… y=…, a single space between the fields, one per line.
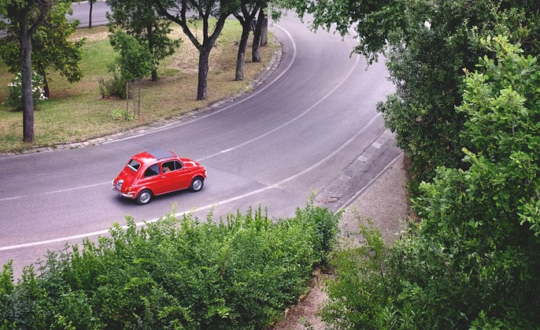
x=386 y=203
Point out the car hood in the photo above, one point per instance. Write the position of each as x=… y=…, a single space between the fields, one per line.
x=188 y=163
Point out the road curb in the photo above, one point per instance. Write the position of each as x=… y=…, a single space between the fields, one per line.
x=358 y=176
x=167 y=122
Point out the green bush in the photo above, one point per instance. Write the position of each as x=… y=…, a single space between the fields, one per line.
x=471 y=261
x=118 y=114
x=14 y=98
x=184 y=274
x=115 y=86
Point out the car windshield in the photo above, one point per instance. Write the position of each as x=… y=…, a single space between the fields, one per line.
x=134 y=165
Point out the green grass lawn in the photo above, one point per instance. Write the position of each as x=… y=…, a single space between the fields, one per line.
x=76 y=112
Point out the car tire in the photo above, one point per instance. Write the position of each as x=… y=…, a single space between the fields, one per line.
x=144 y=197
x=196 y=184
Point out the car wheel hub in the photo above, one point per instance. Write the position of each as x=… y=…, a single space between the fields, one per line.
x=145 y=197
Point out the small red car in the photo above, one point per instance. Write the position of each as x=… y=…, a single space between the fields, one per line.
x=157 y=172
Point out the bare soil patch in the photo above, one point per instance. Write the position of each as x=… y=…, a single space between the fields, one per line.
x=386 y=203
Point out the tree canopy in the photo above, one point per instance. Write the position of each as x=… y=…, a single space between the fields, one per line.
x=471 y=262
x=51 y=47
x=426 y=45
x=177 y=11
x=135 y=60
x=141 y=20
x=29 y=15
x=466 y=113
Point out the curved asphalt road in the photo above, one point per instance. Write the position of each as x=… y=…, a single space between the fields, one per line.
x=298 y=133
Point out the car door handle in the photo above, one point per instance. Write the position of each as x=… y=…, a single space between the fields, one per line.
x=163 y=177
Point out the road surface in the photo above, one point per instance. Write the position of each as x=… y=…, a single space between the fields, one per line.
x=300 y=133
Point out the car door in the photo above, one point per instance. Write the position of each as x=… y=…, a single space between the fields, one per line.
x=152 y=179
x=176 y=177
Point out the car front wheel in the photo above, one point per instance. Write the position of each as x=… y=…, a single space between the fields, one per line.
x=197 y=184
x=144 y=197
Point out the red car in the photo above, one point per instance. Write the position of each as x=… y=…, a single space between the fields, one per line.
x=157 y=172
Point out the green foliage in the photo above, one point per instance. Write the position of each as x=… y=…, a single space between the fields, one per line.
x=184 y=274
x=115 y=86
x=51 y=45
x=118 y=114
x=357 y=294
x=211 y=29
x=141 y=20
x=14 y=98
x=135 y=60
x=427 y=45
x=472 y=261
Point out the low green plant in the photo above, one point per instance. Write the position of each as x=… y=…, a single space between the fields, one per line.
x=119 y=114
x=115 y=86
x=238 y=273
x=14 y=98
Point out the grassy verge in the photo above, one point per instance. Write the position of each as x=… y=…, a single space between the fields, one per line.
x=76 y=112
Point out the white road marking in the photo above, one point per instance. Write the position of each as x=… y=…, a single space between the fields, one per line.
x=225 y=108
x=77 y=188
x=274 y=186
x=290 y=121
x=206 y=207
x=332 y=154
x=56 y=191
x=10 y=198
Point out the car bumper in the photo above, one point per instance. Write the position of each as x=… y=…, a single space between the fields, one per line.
x=130 y=195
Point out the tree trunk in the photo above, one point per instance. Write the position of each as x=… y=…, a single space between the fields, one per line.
x=46 y=91
x=26 y=75
x=151 y=47
x=264 y=31
x=127 y=100
x=90 y=16
x=241 y=57
x=202 y=86
x=255 y=51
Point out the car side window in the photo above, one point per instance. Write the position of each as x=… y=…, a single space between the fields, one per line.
x=171 y=166
x=152 y=170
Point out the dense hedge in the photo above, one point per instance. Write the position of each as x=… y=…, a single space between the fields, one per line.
x=178 y=274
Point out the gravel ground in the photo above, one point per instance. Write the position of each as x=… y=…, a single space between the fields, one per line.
x=386 y=203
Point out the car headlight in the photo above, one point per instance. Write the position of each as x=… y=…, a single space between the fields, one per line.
x=119 y=184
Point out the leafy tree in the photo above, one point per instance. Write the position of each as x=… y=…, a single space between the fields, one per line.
x=51 y=47
x=472 y=261
x=176 y=11
x=246 y=17
x=427 y=44
x=140 y=20
x=28 y=15
x=135 y=61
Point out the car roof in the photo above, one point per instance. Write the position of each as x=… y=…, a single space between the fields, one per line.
x=152 y=155
x=161 y=153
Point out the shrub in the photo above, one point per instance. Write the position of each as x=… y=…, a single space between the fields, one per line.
x=14 y=98
x=235 y=274
x=116 y=86
x=118 y=114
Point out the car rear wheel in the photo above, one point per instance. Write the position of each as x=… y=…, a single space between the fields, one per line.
x=144 y=197
x=197 y=184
